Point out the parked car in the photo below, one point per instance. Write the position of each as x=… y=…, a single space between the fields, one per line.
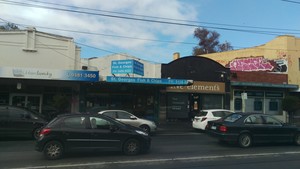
x=75 y=131
x=248 y=128
x=19 y=122
x=128 y=118
x=200 y=120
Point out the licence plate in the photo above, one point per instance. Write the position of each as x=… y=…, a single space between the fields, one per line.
x=213 y=127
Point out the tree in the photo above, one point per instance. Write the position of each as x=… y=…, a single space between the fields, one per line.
x=9 y=27
x=291 y=104
x=226 y=46
x=209 y=42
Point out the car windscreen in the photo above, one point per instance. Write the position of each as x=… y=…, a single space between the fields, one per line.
x=232 y=118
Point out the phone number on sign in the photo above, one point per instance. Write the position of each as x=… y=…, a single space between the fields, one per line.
x=82 y=75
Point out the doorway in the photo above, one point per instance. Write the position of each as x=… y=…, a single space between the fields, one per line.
x=31 y=101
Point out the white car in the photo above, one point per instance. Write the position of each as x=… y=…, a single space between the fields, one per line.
x=128 y=118
x=200 y=120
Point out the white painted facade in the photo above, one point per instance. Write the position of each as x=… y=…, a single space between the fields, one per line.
x=36 y=55
x=33 y=49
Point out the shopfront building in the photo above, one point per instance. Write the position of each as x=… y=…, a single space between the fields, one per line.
x=49 y=92
x=127 y=83
x=41 y=71
x=210 y=88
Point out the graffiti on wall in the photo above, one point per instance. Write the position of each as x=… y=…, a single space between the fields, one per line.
x=258 y=64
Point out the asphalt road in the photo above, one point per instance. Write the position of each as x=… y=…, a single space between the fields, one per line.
x=176 y=150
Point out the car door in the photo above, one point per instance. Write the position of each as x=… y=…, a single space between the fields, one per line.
x=4 y=121
x=276 y=130
x=128 y=118
x=21 y=122
x=255 y=124
x=103 y=136
x=75 y=132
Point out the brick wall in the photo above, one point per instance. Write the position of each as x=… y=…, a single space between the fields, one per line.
x=260 y=77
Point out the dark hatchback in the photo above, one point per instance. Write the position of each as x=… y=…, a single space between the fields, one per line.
x=19 y=122
x=245 y=129
x=70 y=132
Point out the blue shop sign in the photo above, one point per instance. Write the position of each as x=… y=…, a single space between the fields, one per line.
x=81 y=75
x=127 y=67
x=49 y=74
x=181 y=82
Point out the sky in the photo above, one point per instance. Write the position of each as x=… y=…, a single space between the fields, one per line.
x=153 y=30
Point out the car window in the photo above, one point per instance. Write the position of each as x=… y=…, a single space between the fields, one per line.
x=75 y=122
x=226 y=113
x=123 y=115
x=254 y=119
x=111 y=114
x=15 y=113
x=4 y=112
x=202 y=113
x=99 y=123
x=271 y=120
x=232 y=118
x=220 y=113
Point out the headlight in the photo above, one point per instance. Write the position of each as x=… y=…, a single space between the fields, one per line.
x=141 y=132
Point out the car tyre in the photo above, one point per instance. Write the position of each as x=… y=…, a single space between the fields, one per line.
x=297 y=139
x=245 y=140
x=132 y=147
x=36 y=133
x=53 y=150
x=145 y=128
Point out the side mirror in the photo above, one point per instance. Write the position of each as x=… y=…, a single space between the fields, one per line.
x=133 y=118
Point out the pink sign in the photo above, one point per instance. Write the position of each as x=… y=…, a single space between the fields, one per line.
x=251 y=64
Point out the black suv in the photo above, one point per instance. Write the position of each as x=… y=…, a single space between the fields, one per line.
x=76 y=131
x=19 y=122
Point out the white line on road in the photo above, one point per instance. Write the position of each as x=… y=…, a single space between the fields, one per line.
x=162 y=160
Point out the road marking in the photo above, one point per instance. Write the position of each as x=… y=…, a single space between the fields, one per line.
x=178 y=134
x=163 y=160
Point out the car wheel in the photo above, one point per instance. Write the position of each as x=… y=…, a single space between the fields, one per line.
x=53 y=150
x=145 y=128
x=297 y=139
x=36 y=133
x=245 y=140
x=132 y=147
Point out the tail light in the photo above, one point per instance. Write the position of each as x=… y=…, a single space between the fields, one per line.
x=223 y=129
x=45 y=131
x=203 y=119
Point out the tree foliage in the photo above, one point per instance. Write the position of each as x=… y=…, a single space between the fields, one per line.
x=209 y=42
x=291 y=103
x=9 y=27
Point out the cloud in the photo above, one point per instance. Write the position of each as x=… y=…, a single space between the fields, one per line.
x=111 y=26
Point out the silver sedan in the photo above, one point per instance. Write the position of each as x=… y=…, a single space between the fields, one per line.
x=128 y=118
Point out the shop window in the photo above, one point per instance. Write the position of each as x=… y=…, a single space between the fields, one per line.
x=4 y=98
x=257 y=105
x=237 y=104
x=212 y=102
x=273 y=105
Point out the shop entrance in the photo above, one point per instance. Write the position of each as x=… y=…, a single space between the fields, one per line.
x=31 y=101
x=195 y=104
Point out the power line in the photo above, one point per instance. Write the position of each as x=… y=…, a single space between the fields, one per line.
x=100 y=34
x=295 y=2
x=164 y=18
x=240 y=48
x=148 y=20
